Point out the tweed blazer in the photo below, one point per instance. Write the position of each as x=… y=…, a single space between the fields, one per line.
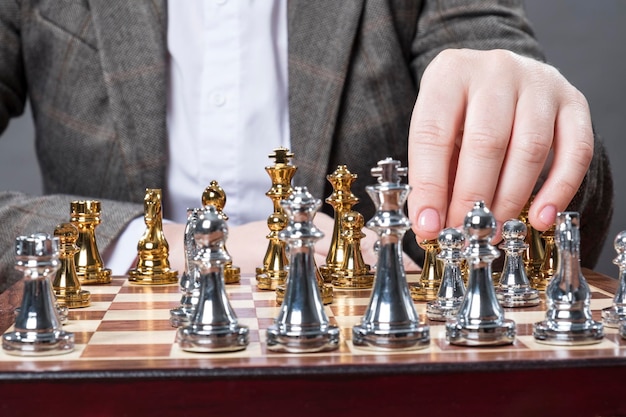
x=95 y=72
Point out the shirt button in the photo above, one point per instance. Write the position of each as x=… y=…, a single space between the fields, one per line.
x=218 y=99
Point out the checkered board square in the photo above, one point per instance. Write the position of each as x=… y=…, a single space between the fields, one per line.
x=127 y=327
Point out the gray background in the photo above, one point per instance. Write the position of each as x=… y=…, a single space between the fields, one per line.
x=584 y=39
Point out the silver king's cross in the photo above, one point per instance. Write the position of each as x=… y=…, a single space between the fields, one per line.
x=389 y=171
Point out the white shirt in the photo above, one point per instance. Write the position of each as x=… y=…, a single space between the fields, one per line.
x=227 y=109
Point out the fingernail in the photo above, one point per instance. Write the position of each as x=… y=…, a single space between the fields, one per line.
x=428 y=221
x=547 y=216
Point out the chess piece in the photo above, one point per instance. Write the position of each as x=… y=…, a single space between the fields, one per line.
x=66 y=285
x=615 y=314
x=535 y=252
x=568 y=316
x=153 y=264
x=326 y=290
x=189 y=282
x=341 y=201
x=390 y=321
x=85 y=215
x=480 y=320
x=61 y=308
x=550 y=261
x=37 y=330
x=354 y=272
x=514 y=288
x=452 y=288
x=215 y=196
x=214 y=326
x=301 y=325
x=273 y=272
x=427 y=287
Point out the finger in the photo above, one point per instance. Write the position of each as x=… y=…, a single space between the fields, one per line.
x=531 y=141
x=435 y=123
x=572 y=154
x=487 y=130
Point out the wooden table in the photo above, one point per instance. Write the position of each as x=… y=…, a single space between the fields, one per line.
x=123 y=377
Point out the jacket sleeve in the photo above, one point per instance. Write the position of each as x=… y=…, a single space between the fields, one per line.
x=12 y=79
x=21 y=214
x=489 y=24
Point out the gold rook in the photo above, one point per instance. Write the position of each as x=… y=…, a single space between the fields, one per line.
x=85 y=215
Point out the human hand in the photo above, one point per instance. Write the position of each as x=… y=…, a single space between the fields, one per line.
x=484 y=125
x=326 y=224
x=248 y=243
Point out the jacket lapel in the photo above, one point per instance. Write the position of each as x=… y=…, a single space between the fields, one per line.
x=321 y=35
x=132 y=42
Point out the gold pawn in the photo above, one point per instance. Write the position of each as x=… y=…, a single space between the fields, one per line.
x=465 y=271
x=153 y=265
x=534 y=254
x=273 y=272
x=427 y=287
x=66 y=285
x=85 y=215
x=342 y=201
x=354 y=272
x=215 y=196
x=550 y=261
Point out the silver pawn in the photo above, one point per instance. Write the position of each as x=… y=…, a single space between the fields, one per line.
x=612 y=316
x=568 y=316
x=452 y=288
x=189 y=283
x=480 y=321
x=302 y=325
x=514 y=288
x=214 y=326
x=390 y=321
x=37 y=330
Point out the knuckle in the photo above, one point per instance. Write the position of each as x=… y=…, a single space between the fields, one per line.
x=447 y=58
x=429 y=131
x=583 y=152
x=446 y=63
x=499 y=59
x=486 y=139
x=429 y=187
x=429 y=137
x=566 y=187
x=534 y=147
x=578 y=99
x=468 y=199
x=509 y=207
x=580 y=149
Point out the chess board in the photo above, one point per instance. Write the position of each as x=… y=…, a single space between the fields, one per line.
x=126 y=363
x=127 y=327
